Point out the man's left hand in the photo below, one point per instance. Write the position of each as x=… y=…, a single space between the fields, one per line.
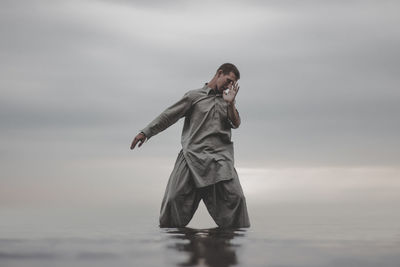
x=231 y=94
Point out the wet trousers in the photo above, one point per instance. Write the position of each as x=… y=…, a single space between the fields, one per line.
x=224 y=200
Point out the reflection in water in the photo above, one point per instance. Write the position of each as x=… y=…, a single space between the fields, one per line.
x=208 y=247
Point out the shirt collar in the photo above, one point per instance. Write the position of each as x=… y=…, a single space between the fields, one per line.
x=209 y=90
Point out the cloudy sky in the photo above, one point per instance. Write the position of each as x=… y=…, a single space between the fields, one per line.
x=319 y=96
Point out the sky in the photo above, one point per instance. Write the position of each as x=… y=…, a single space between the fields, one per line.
x=319 y=94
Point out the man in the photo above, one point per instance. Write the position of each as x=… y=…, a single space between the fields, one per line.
x=204 y=168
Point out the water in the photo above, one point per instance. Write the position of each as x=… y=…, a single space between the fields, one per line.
x=281 y=235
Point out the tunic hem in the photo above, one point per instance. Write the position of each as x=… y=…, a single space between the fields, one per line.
x=196 y=181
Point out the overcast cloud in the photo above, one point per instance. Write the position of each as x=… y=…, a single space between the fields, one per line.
x=319 y=87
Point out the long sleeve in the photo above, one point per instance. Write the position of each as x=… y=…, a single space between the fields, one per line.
x=231 y=123
x=168 y=116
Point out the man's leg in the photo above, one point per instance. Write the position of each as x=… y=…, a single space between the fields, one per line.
x=181 y=198
x=226 y=203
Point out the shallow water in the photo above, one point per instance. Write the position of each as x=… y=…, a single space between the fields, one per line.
x=281 y=235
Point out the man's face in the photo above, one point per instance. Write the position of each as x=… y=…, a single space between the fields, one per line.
x=225 y=80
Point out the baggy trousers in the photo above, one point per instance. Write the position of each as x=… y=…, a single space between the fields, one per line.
x=224 y=200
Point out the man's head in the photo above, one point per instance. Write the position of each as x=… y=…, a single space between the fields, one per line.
x=226 y=75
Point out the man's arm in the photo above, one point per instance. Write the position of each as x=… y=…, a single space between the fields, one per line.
x=229 y=97
x=233 y=115
x=164 y=120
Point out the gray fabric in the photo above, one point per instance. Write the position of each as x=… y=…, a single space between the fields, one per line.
x=206 y=135
x=224 y=200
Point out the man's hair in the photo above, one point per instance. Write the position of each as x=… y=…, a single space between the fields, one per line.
x=229 y=67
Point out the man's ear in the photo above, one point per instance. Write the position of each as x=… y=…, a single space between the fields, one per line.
x=219 y=73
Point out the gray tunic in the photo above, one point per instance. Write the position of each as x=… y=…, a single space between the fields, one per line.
x=206 y=135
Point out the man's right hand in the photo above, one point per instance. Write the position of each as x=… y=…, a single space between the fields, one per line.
x=140 y=137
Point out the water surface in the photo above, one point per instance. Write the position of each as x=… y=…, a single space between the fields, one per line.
x=281 y=235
